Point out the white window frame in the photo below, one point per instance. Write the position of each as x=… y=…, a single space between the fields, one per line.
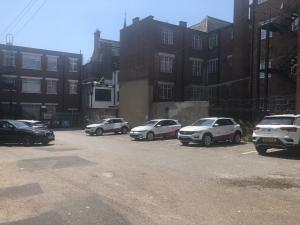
x=167 y=37
x=28 y=57
x=9 y=57
x=73 y=90
x=27 y=89
x=165 y=90
x=197 y=42
x=54 y=58
x=259 y=2
x=51 y=86
x=196 y=67
x=73 y=64
x=262 y=68
x=166 y=62
x=213 y=41
x=213 y=65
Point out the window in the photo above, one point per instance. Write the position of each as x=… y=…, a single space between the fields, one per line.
x=51 y=108
x=32 y=86
x=197 y=42
x=9 y=58
x=231 y=35
x=102 y=95
x=73 y=64
x=73 y=86
x=165 y=91
x=31 y=61
x=212 y=66
x=166 y=63
x=259 y=2
x=264 y=34
x=196 y=67
x=196 y=93
x=9 y=82
x=213 y=41
x=295 y=25
x=167 y=37
x=52 y=63
x=229 y=60
x=51 y=87
x=262 y=69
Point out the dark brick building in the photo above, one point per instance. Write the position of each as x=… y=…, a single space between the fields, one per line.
x=273 y=65
x=174 y=63
x=39 y=84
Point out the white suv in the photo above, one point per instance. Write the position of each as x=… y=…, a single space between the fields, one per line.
x=156 y=128
x=108 y=125
x=209 y=130
x=278 y=131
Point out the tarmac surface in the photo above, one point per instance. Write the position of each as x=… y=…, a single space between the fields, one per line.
x=112 y=180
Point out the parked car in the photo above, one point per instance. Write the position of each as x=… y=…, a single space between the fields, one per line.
x=278 y=131
x=210 y=130
x=156 y=128
x=13 y=131
x=34 y=123
x=108 y=125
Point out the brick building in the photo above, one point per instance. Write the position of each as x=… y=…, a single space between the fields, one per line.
x=273 y=65
x=100 y=92
x=162 y=62
x=39 y=84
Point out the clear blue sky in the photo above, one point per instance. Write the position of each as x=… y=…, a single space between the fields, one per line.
x=68 y=25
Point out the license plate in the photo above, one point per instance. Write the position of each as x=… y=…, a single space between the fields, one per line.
x=269 y=140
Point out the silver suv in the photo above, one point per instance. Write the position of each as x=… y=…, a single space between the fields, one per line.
x=108 y=125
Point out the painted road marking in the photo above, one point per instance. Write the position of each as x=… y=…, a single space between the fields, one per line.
x=247 y=153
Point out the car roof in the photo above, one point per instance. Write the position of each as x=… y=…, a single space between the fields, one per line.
x=217 y=118
x=30 y=121
x=283 y=115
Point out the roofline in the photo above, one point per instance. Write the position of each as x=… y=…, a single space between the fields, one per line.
x=4 y=46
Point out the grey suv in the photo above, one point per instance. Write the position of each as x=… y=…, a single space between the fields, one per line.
x=116 y=125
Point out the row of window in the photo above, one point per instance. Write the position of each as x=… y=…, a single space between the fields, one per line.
x=197 y=40
x=166 y=91
x=167 y=64
x=34 y=61
x=33 y=85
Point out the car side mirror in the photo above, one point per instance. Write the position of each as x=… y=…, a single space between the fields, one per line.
x=216 y=125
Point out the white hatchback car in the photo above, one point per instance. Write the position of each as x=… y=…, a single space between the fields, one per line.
x=156 y=128
x=209 y=130
x=278 y=131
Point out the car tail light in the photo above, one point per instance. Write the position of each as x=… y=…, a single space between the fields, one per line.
x=289 y=129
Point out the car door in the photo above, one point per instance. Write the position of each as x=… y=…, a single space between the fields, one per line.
x=229 y=129
x=160 y=128
x=219 y=129
x=109 y=125
x=117 y=124
x=7 y=132
x=172 y=128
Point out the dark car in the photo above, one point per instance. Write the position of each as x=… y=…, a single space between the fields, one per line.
x=13 y=131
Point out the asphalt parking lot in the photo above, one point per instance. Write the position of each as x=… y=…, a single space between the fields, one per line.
x=83 y=180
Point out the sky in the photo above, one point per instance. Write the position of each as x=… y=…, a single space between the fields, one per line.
x=69 y=25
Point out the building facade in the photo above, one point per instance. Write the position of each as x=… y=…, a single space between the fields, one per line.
x=39 y=84
x=100 y=90
x=162 y=62
x=274 y=32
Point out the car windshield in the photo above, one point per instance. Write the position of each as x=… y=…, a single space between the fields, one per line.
x=277 y=121
x=19 y=124
x=151 y=123
x=204 y=122
x=101 y=121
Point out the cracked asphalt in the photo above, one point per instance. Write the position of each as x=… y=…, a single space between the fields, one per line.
x=112 y=180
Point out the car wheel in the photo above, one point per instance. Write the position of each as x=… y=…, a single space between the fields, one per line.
x=124 y=130
x=99 y=132
x=261 y=150
x=237 y=138
x=185 y=143
x=150 y=136
x=45 y=142
x=207 y=140
x=27 y=140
